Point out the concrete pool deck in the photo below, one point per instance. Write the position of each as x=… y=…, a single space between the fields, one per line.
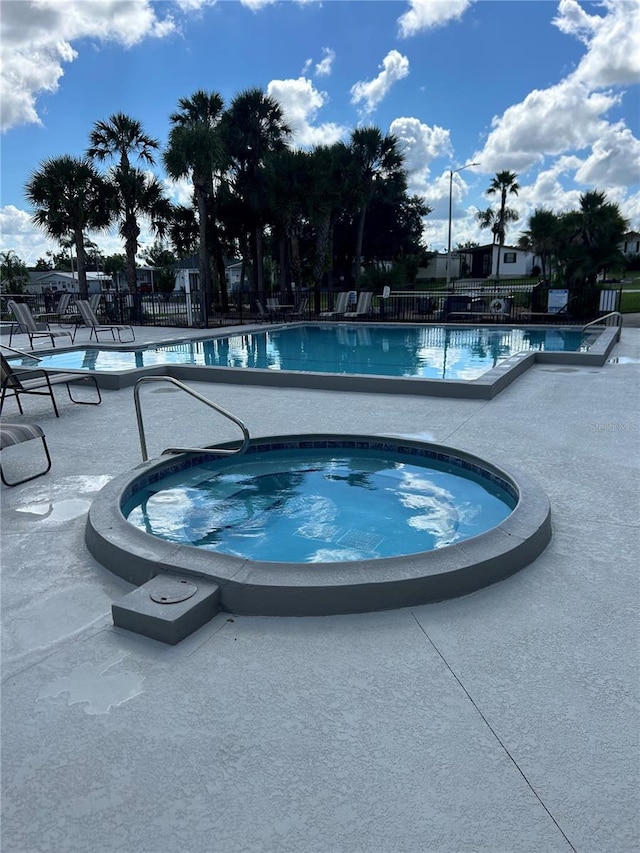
x=505 y=721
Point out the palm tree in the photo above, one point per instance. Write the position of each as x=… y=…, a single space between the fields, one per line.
x=590 y=238
x=504 y=183
x=195 y=149
x=254 y=129
x=329 y=166
x=288 y=183
x=70 y=197
x=376 y=160
x=122 y=139
x=541 y=236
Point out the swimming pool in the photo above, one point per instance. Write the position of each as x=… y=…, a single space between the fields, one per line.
x=425 y=352
x=464 y=362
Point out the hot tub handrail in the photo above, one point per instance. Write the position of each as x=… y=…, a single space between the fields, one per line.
x=20 y=352
x=599 y=321
x=143 y=443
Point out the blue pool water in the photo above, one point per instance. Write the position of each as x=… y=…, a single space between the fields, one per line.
x=318 y=506
x=430 y=352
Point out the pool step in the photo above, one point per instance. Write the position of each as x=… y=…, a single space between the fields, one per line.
x=168 y=607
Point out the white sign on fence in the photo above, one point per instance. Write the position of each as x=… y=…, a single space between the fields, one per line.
x=557 y=301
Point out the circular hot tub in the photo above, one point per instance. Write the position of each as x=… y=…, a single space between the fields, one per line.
x=322 y=524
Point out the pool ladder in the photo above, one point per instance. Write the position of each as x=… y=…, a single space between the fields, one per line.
x=213 y=451
x=600 y=321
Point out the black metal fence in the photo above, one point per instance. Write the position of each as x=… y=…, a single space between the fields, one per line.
x=505 y=301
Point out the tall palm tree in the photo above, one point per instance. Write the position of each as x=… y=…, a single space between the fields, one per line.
x=70 y=197
x=122 y=140
x=376 y=159
x=254 y=129
x=195 y=149
x=288 y=183
x=504 y=183
x=329 y=164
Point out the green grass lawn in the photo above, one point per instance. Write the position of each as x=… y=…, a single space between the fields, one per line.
x=630 y=301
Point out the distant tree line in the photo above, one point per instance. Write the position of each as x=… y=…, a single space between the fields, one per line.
x=326 y=216
x=309 y=217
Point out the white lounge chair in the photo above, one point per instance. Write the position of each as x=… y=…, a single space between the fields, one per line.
x=339 y=307
x=363 y=306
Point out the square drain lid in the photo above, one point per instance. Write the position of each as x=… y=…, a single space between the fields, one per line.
x=360 y=539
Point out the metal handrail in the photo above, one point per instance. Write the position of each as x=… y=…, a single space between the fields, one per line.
x=212 y=451
x=598 y=322
x=20 y=352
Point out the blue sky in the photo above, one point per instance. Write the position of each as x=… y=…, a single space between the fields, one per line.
x=549 y=90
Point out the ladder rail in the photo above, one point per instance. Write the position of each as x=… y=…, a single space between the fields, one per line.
x=141 y=433
x=20 y=352
x=599 y=321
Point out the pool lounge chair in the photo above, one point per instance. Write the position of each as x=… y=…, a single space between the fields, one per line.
x=301 y=310
x=363 y=306
x=12 y=434
x=39 y=382
x=57 y=315
x=264 y=316
x=91 y=322
x=339 y=308
x=274 y=309
x=27 y=324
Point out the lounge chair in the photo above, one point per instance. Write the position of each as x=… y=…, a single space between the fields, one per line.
x=363 y=306
x=40 y=382
x=11 y=434
x=263 y=315
x=91 y=322
x=27 y=324
x=301 y=310
x=339 y=308
x=274 y=309
x=58 y=314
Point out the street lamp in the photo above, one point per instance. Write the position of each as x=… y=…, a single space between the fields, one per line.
x=452 y=172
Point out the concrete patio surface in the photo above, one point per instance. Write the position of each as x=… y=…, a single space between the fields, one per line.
x=506 y=721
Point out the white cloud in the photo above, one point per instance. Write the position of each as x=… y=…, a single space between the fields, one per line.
x=180 y=191
x=37 y=42
x=613 y=41
x=30 y=243
x=255 y=5
x=425 y=14
x=568 y=121
x=419 y=144
x=300 y=103
x=561 y=118
x=395 y=66
x=324 y=66
x=614 y=159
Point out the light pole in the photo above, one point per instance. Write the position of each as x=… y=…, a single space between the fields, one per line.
x=452 y=172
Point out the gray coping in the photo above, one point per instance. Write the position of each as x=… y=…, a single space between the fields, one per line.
x=506 y=720
x=290 y=589
x=485 y=387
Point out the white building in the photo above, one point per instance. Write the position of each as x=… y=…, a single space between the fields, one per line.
x=52 y=281
x=631 y=244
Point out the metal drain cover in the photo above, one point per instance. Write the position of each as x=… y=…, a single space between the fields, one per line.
x=360 y=539
x=169 y=591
